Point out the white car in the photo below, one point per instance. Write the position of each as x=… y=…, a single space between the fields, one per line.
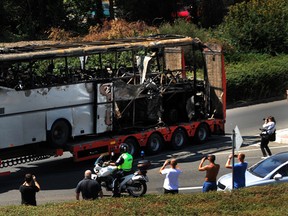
x=271 y=170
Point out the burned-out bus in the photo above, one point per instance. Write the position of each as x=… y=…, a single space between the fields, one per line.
x=54 y=93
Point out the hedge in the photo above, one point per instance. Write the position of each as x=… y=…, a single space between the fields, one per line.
x=257 y=79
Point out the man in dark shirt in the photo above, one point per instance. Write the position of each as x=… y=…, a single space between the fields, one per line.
x=89 y=188
x=28 y=190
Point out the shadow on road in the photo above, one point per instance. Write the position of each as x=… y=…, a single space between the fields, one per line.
x=64 y=173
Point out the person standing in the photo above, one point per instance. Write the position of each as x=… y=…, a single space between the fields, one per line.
x=171 y=183
x=212 y=170
x=269 y=127
x=89 y=188
x=29 y=189
x=239 y=170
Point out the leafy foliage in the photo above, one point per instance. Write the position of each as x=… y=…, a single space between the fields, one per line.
x=181 y=27
x=258 y=25
x=211 y=13
x=257 y=77
x=119 y=29
x=30 y=18
x=149 y=11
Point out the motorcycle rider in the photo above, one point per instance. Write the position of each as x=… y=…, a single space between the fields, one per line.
x=124 y=165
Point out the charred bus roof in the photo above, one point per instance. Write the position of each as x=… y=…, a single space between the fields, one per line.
x=36 y=50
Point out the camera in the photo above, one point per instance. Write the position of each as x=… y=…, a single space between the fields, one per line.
x=206 y=157
x=264 y=119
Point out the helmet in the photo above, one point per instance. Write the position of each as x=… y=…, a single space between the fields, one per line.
x=124 y=148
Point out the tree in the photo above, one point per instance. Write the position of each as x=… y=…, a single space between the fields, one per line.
x=3 y=20
x=147 y=11
x=30 y=18
x=211 y=13
x=258 y=25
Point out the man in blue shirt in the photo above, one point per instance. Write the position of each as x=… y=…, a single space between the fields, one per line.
x=239 y=170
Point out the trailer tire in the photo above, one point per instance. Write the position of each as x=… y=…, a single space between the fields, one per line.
x=179 y=139
x=59 y=133
x=154 y=144
x=201 y=134
x=133 y=146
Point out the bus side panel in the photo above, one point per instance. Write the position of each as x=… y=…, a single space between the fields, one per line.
x=11 y=132
x=30 y=124
x=54 y=115
x=82 y=120
x=104 y=118
x=45 y=98
x=22 y=129
x=104 y=107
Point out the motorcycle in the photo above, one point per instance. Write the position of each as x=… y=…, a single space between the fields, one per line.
x=134 y=184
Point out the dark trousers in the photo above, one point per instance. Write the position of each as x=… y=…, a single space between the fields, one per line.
x=170 y=191
x=264 y=146
x=118 y=176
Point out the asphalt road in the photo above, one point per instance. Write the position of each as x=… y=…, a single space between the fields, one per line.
x=58 y=177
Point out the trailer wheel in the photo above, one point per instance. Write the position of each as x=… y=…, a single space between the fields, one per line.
x=133 y=146
x=59 y=133
x=154 y=144
x=201 y=134
x=179 y=139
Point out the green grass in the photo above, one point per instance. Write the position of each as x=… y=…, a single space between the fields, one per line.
x=257 y=201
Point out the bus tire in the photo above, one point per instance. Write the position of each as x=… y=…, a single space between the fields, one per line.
x=201 y=134
x=133 y=146
x=59 y=133
x=154 y=144
x=179 y=139
x=172 y=115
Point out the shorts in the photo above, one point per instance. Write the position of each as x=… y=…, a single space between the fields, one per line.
x=209 y=186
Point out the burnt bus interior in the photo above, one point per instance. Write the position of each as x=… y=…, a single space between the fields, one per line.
x=150 y=85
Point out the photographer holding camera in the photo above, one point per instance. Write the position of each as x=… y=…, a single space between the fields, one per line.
x=268 y=130
x=28 y=190
x=171 y=184
x=212 y=170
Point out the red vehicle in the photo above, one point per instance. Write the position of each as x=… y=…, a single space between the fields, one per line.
x=148 y=92
x=183 y=12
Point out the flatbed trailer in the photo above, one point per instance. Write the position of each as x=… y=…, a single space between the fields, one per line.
x=151 y=140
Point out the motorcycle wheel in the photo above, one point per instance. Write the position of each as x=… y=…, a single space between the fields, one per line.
x=140 y=189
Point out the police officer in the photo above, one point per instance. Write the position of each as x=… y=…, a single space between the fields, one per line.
x=124 y=165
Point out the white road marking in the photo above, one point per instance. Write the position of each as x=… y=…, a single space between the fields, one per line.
x=190 y=188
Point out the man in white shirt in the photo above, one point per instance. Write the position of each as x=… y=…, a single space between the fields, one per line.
x=171 y=183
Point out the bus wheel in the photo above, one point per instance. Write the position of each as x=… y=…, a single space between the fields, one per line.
x=154 y=144
x=179 y=139
x=133 y=146
x=59 y=134
x=201 y=134
x=172 y=115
